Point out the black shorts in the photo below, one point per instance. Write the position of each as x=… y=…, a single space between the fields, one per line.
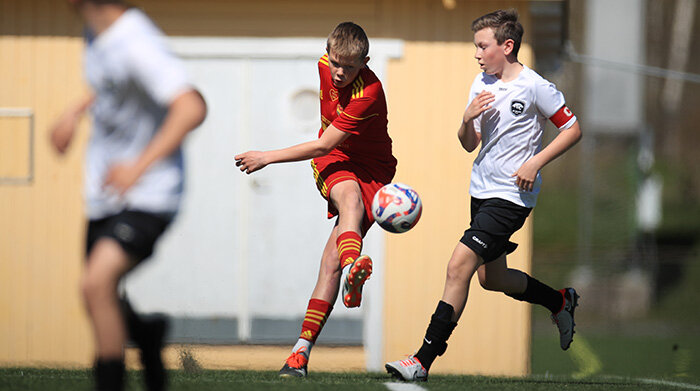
x=135 y=231
x=494 y=220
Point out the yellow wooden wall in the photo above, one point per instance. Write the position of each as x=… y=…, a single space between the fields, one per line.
x=493 y=335
x=41 y=319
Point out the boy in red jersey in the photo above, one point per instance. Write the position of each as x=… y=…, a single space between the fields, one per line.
x=351 y=160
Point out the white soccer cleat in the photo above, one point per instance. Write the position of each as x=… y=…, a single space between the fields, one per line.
x=564 y=319
x=409 y=369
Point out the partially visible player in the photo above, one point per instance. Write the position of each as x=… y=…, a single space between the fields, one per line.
x=508 y=107
x=143 y=106
x=352 y=159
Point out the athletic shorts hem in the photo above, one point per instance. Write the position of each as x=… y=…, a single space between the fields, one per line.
x=135 y=231
x=493 y=222
x=330 y=172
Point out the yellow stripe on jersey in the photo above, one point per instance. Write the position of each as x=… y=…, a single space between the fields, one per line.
x=320 y=183
x=324 y=60
x=340 y=111
x=358 y=88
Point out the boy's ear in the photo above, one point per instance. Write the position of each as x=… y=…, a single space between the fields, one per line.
x=508 y=46
x=365 y=61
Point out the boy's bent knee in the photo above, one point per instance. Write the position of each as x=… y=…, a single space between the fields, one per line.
x=489 y=285
x=347 y=195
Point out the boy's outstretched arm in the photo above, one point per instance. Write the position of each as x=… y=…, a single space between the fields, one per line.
x=468 y=136
x=63 y=129
x=526 y=174
x=252 y=161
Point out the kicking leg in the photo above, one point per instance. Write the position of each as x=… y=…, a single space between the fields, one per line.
x=346 y=196
x=107 y=263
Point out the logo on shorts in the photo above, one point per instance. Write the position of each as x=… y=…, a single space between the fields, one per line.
x=124 y=232
x=481 y=242
x=517 y=107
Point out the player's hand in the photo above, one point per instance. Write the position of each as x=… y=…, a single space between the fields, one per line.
x=526 y=175
x=480 y=104
x=61 y=133
x=120 y=177
x=251 y=161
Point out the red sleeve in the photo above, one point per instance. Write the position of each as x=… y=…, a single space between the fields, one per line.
x=356 y=115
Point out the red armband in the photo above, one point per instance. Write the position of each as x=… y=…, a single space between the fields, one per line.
x=561 y=117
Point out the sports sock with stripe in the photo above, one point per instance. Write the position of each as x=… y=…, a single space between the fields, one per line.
x=349 y=246
x=317 y=313
x=542 y=294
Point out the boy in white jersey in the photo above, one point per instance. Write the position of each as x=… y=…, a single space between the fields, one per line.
x=508 y=107
x=142 y=106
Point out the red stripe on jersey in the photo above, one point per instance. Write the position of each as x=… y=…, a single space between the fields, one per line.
x=561 y=117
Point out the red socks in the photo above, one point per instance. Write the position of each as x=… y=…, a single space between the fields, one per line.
x=316 y=315
x=349 y=246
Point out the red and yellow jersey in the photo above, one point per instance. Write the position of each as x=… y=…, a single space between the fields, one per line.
x=358 y=109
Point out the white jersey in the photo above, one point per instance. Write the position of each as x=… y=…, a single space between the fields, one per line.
x=511 y=132
x=135 y=78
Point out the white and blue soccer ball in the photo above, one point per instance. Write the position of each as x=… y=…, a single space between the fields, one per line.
x=397 y=207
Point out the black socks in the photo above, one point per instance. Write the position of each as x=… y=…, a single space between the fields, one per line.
x=109 y=374
x=148 y=332
x=539 y=293
x=437 y=334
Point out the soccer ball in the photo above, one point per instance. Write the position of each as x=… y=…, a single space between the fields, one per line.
x=396 y=207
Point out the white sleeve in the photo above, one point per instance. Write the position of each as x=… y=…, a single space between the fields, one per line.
x=551 y=104
x=548 y=99
x=159 y=72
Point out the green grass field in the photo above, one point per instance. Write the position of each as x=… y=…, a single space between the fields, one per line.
x=592 y=363
x=74 y=380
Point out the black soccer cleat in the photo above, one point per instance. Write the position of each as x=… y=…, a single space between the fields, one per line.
x=564 y=319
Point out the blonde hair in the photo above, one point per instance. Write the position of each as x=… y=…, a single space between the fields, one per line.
x=348 y=40
x=505 y=26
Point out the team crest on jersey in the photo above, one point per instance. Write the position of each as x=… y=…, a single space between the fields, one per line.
x=517 y=107
x=334 y=94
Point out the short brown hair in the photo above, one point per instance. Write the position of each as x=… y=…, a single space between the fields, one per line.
x=348 y=40
x=505 y=26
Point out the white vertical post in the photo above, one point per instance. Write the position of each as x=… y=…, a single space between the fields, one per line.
x=243 y=253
